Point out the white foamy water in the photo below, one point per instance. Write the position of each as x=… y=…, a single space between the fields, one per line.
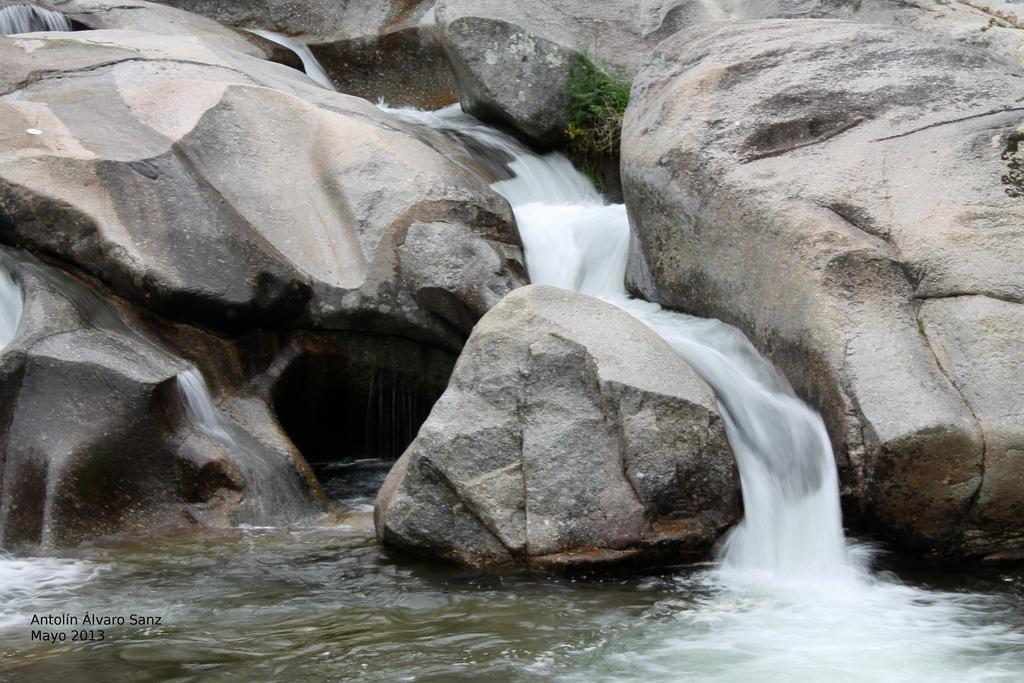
x=789 y=599
x=10 y=307
x=310 y=64
x=30 y=18
x=37 y=585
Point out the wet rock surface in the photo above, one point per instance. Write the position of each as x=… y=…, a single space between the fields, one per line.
x=98 y=438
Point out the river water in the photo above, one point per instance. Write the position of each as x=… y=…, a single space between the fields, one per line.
x=325 y=603
x=790 y=599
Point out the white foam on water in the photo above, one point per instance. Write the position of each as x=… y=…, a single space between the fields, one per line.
x=37 y=585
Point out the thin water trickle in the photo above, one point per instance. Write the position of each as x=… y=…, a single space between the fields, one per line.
x=310 y=64
x=10 y=307
x=29 y=19
x=273 y=490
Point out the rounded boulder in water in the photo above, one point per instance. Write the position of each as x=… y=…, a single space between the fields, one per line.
x=557 y=445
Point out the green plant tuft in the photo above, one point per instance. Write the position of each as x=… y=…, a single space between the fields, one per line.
x=597 y=104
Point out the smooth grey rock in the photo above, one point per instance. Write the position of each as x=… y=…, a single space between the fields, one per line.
x=511 y=59
x=235 y=192
x=814 y=182
x=570 y=434
x=96 y=439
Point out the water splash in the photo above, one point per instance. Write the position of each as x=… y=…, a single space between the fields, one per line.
x=10 y=307
x=310 y=64
x=30 y=18
x=273 y=486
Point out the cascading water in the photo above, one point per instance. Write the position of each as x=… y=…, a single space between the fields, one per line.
x=274 y=489
x=310 y=65
x=575 y=241
x=30 y=18
x=10 y=307
x=788 y=589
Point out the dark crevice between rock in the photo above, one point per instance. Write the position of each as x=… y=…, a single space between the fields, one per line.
x=352 y=402
x=947 y=122
x=957 y=295
x=972 y=503
x=787 y=136
x=860 y=219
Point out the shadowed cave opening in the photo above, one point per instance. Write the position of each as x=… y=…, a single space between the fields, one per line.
x=352 y=406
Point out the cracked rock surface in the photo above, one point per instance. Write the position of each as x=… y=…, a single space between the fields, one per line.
x=847 y=195
x=570 y=435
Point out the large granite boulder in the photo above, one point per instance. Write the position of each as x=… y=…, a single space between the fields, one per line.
x=219 y=188
x=850 y=196
x=512 y=59
x=570 y=434
x=108 y=431
x=369 y=48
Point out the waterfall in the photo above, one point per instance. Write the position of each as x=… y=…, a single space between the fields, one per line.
x=30 y=18
x=310 y=64
x=573 y=240
x=200 y=409
x=273 y=488
x=788 y=599
x=10 y=307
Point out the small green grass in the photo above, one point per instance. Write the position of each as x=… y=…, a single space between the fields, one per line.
x=597 y=104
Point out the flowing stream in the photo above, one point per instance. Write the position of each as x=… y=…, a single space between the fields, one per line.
x=789 y=599
x=30 y=18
